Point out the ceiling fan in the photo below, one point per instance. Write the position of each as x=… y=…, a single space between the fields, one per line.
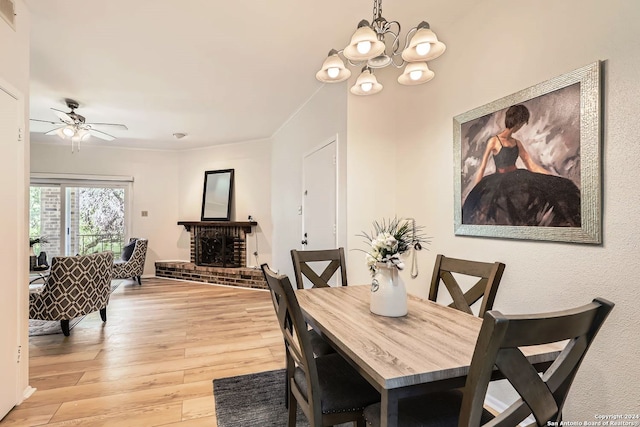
x=74 y=126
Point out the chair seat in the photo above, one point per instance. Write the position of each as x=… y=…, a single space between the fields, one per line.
x=434 y=410
x=342 y=388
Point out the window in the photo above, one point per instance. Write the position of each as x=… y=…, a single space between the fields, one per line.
x=78 y=216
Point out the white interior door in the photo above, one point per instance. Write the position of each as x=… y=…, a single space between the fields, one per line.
x=319 y=206
x=9 y=256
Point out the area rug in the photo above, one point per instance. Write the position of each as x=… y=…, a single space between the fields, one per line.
x=51 y=327
x=254 y=400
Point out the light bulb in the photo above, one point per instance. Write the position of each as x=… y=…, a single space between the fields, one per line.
x=415 y=75
x=423 y=48
x=333 y=72
x=68 y=131
x=363 y=47
x=366 y=87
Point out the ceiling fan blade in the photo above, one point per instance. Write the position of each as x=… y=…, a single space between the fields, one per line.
x=45 y=121
x=108 y=124
x=64 y=116
x=101 y=135
x=53 y=131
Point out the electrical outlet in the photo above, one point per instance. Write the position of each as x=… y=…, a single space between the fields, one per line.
x=145 y=213
x=299 y=210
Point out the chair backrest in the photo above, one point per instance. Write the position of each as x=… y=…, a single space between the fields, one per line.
x=541 y=396
x=79 y=285
x=298 y=349
x=139 y=253
x=304 y=261
x=488 y=274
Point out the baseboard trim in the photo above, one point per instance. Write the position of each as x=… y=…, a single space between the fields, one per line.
x=27 y=393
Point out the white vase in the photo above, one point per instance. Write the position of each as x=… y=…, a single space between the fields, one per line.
x=388 y=293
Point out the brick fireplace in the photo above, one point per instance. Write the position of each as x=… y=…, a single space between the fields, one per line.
x=218 y=255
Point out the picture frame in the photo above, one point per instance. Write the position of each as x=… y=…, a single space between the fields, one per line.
x=217 y=195
x=562 y=136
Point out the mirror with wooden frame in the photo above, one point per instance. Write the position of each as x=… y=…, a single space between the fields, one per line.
x=216 y=195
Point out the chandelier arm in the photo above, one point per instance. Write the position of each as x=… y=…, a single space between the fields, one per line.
x=395 y=45
x=355 y=64
x=384 y=28
x=397 y=65
x=407 y=37
x=390 y=23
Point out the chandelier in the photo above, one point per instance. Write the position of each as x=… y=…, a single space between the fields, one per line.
x=377 y=45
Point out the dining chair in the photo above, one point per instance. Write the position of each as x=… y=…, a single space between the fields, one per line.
x=488 y=274
x=327 y=388
x=307 y=264
x=498 y=347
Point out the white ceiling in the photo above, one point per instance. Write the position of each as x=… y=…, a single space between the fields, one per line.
x=221 y=72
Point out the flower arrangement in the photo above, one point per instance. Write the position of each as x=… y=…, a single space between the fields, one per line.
x=390 y=239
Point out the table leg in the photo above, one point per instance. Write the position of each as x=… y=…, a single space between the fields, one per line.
x=389 y=408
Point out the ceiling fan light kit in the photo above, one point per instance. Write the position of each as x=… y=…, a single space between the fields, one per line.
x=74 y=127
x=377 y=45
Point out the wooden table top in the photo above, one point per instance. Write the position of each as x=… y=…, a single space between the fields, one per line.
x=431 y=343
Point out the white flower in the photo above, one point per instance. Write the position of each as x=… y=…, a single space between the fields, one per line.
x=390 y=240
x=371 y=261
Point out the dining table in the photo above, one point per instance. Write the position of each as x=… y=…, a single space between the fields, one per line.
x=427 y=350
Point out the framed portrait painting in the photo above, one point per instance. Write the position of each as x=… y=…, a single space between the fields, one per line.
x=527 y=166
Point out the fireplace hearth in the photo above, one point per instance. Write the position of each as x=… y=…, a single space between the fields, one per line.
x=218 y=255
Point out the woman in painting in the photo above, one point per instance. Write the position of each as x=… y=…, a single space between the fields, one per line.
x=514 y=196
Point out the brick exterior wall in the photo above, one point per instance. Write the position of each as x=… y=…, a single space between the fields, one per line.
x=50 y=221
x=241 y=277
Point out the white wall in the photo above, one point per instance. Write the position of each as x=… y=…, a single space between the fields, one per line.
x=14 y=70
x=371 y=165
x=168 y=185
x=155 y=187
x=499 y=48
x=251 y=162
x=322 y=118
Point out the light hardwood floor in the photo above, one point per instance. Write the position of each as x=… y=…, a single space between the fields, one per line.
x=153 y=362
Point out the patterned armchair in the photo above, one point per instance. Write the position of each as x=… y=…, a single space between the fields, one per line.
x=134 y=267
x=77 y=285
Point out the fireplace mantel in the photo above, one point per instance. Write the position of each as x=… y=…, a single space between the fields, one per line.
x=244 y=225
